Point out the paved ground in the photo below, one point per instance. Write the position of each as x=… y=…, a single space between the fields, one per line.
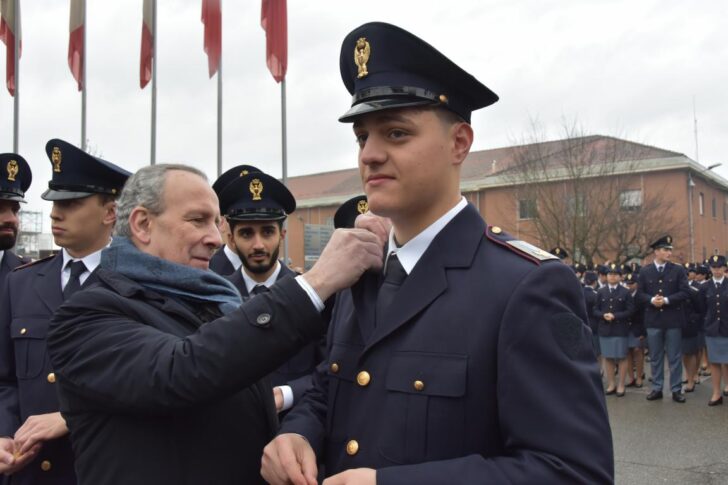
x=663 y=442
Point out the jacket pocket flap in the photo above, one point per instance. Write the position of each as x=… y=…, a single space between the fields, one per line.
x=431 y=374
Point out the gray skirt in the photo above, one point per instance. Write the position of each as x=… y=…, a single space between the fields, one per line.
x=690 y=345
x=717 y=349
x=634 y=342
x=613 y=347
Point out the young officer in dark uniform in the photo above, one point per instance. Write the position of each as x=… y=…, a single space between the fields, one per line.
x=226 y=260
x=636 y=337
x=714 y=295
x=459 y=362
x=15 y=178
x=691 y=338
x=613 y=308
x=255 y=206
x=664 y=289
x=83 y=190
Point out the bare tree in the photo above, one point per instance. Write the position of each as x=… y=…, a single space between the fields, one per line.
x=583 y=193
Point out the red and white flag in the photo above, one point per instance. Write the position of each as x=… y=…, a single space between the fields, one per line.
x=274 y=19
x=8 y=17
x=145 y=62
x=212 y=18
x=75 y=41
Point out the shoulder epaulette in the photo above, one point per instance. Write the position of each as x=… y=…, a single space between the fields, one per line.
x=33 y=263
x=521 y=248
x=694 y=289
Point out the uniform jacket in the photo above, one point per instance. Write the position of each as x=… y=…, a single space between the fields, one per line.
x=9 y=262
x=673 y=284
x=590 y=298
x=153 y=396
x=715 y=305
x=482 y=359
x=296 y=372
x=619 y=302
x=637 y=319
x=220 y=263
x=694 y=312
x=27 y=382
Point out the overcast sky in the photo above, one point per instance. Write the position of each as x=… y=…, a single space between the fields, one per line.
x=628 y=68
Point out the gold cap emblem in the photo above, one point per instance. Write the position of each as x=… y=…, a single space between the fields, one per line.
x=669 y=240
x=362 y=51
x=256 y=188
x=12 y=170
x=56 y=159
x=362 y=206
x=715 y=258
x=244 y=173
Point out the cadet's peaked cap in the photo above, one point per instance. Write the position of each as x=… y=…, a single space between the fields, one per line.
x=384 y=67
x=230 y=175
x=716 y=261
x=559 y=252
x=76 y=174
x=590 y=277
x=631 y=279
x=15 y=177
x=347 y=212
x=703 y=270
x=664 y=242
x=614 y=268
x=256 y=197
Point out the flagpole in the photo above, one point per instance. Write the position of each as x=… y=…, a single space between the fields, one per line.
x=16 y=64
x=284 y=157
x=219 y=112
x=154 y=83
x=83 y=77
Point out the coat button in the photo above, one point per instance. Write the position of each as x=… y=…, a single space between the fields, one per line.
x=419 y=385
x=263 y=320
x=334 y=367
x=23 y=331
x=660 y=281
x=363 y=378
x=352 y=448
x=496 y=230
x=45 y=465
x=51 y=378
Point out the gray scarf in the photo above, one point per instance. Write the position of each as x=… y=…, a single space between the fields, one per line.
x=169 y=278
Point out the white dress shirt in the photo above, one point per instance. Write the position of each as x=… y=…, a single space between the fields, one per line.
x=91 y=262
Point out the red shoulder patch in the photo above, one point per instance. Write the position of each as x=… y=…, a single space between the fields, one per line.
x=521 y=248
x=33 y=263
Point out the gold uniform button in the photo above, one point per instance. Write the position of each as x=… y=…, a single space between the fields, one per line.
x=23 y=331
x=352 y=448
x=45 y=465
x=334 y=368
x=51 y=378
x=496 y=230
x=419 y=385
x=363 y=378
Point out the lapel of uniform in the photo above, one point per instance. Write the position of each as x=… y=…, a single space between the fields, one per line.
x=237 y=280
x=453 y=247
x=47 y=283
x=364 y=299
x=4 y=267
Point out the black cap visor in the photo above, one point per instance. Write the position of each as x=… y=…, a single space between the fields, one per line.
x=52 y=194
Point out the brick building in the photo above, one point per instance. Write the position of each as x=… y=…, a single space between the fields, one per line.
x=687 y=198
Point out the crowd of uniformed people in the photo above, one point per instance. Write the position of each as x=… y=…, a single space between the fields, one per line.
x=639 y=313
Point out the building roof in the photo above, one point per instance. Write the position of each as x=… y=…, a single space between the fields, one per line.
x=485 y=167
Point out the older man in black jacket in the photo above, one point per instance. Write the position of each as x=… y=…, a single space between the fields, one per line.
x=160 y=371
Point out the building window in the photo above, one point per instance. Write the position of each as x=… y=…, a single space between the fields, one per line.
x=701 y=204
x=527 y=209
x=714 y=208
x=577 y=206
x=630 y=200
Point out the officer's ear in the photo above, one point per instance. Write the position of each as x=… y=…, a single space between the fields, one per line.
x=461 y=134
x=140 y=224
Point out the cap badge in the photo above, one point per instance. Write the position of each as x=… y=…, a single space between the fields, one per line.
x=56 y=159
x=715 y=258
x=669 y=240
x=362 y=206
x=244 y=173
x=362 y=52
x=256 y=188
x=12 y=170
x=558 y=251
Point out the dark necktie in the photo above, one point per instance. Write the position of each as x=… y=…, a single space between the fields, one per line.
x=659 y=269
x=74 y=282
x=717 y=286
x=258 y=289
x=394 y=276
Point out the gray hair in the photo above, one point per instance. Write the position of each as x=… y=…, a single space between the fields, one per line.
x=146 y=189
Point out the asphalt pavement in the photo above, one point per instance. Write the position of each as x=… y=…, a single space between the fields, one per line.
x=664 y=442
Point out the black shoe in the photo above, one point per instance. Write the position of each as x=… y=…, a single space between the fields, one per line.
x=638 y=386
x=687 y=389
x=610 y=392
x=716 y=402
x=654 y=395
x=621 y=394
x=677 y=397
x=725 y=393
x=633 y=383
